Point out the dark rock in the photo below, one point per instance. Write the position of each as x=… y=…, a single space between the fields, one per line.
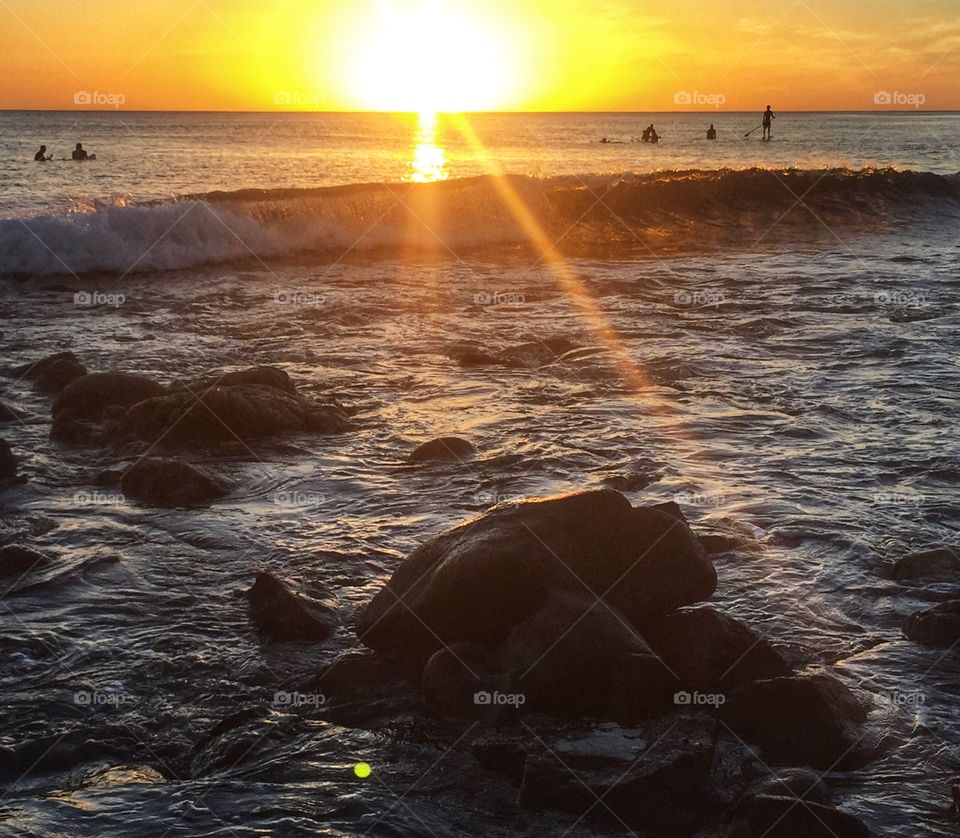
x=937 y=564
x=936 y=626
x=283 y=615
x=502 y=757
x=715 y=543
x=799 y=720
x=227 y=414
x=8 y=463
x=524 y=356
x=32 y=371
x=90 y=397
x=163 y=482
x=480 y=579
x=7 y=413
x=655 y=779
x=108 y=477
x=710 y=651
x=580 y=657
x=799 y=783
x=15 y=560
x=58 y=375
x=454 y=676
x=787 y=817
x=368 y=689
x=444 y=449
x=271 y=377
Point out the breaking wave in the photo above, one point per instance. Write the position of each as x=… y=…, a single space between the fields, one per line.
x=592 y=214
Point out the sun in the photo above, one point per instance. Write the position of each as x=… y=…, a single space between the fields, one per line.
x=426 y=57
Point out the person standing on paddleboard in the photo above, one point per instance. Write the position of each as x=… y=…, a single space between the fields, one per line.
x=768 y=118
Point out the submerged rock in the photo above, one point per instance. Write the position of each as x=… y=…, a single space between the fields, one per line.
x=524 y=356
x=284 y=615
x=272 y=377
x=33 y=370
x=799 y=720
x=655 y=778
x=91 y=397
x=167 y=482
x=445 y=449
x=480 y=579
x=936 y=564
x=15 y=560
x=710 y=651
x=785 y=816
x=936 y=626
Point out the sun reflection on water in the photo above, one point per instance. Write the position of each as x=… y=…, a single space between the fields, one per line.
x=429 y=162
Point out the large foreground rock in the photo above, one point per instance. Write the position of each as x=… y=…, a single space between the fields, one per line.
x=653 y=779
x=800 y=720
x=479 y=580
x=936 y=626
x=171 y=483
x=784 y=816
x=284 y=615
x=711 y=652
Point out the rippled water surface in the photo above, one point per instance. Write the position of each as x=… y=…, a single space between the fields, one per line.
x=806 y=397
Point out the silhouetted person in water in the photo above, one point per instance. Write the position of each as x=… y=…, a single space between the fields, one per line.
x=42 y=154
x=768 y=118
x=711 y=132
x=654 y=136
x=645 y=136
x=79 y=153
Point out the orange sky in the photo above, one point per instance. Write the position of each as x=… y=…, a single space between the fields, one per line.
x=480 y=54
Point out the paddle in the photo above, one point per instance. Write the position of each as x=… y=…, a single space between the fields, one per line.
x=755 y=129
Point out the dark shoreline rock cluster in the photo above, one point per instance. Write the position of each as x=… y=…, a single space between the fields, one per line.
x=939 y=625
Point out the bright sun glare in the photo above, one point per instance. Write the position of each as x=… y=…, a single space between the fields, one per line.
x=427 y=58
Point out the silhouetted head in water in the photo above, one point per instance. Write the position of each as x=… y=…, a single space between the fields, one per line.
x=79 y=153
x=42 y=154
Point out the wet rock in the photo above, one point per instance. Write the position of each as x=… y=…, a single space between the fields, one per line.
x=171 y=483
x=800 y=783
x=8 y=463
x=15 y=560
x=716 y=543
x=368 y=689
x=33 y=370
x=936 y=626
x=775 y=816
x=810 y=720
x=7 y=413
x=579 y=657
x=455 y=675
x=711 y=652
x=90 y=397
x=284 y=615
x=480 y=579
x=445 y=449
x=271 y=377
x=524 y=356
x=226 y=414
x=937 y=564
x=664 y=789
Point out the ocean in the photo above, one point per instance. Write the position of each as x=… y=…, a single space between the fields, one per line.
x=764 y=332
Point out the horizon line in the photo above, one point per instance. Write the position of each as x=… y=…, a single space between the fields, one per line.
x=478 y=112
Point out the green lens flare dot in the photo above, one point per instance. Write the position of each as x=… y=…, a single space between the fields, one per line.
x=362 y=770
